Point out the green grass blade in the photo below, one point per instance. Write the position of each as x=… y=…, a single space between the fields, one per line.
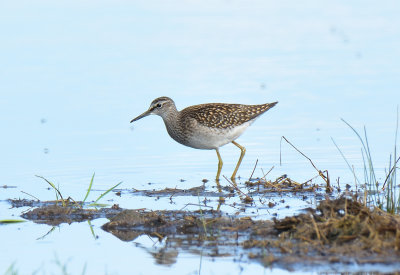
x=84 y=269
x=48 y=233
x=8 y=221
x=91 y=230
x=389 y=193
x=394 y=176
x=89 y=189
x=394 y=172
x=202 y=217
x=371 y=190
x=55 y=188
x=11 y=270
x=369 y=172
x=370 y=162
x=98 y=205
x=345 y=159
x=355 y=131
x=357 y=134
x=105 y=193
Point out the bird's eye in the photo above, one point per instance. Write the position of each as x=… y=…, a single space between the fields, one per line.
x=158 y=105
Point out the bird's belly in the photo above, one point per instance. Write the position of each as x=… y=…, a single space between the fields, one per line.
x=212 y=138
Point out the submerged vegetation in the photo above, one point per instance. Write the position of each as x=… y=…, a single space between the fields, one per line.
x=60 y=268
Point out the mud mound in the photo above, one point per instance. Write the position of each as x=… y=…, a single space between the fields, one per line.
x=344 y=226
x=57 y=214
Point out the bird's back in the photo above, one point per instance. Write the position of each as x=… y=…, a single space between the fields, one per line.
x=223 y=115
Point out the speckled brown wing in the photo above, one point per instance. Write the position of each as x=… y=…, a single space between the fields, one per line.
x=222 y=116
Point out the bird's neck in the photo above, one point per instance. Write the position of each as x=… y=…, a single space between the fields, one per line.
x=173 y=124
x=171 y=118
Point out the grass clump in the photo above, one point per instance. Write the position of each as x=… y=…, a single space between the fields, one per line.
x=384 y=195
x=81 y=204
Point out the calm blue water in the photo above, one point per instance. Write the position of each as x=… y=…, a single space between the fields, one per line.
x=73 y=74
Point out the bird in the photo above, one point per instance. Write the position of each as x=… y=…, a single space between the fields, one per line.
x=207 y=126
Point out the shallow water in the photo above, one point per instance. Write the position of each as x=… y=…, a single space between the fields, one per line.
x=74 y=74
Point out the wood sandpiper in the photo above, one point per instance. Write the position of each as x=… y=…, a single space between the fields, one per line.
x=207 y=126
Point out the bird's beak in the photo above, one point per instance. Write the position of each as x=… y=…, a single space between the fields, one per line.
x=148 y=112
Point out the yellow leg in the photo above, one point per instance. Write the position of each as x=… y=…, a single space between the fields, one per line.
x=220 y=163
x=243 y=151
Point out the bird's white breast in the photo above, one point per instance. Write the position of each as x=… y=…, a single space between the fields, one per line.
x=212 y=138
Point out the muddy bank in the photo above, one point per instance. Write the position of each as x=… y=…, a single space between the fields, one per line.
x=56 y=214
x=338 y=231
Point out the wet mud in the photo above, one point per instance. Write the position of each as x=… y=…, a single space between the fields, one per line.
x=338 y=231
x=195 y=191
x=341 y=230
x=56 y=214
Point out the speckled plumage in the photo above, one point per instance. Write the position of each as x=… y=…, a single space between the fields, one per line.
x=223 y=115
x=207 y=126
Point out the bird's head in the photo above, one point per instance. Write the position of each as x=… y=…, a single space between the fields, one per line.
x=160 y=106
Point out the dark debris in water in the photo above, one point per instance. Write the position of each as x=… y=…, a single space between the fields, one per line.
x=28 y=203
x=258 y=186
x=5 y=186
x=281 y=184
x=195 y=191
x=56 y=214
